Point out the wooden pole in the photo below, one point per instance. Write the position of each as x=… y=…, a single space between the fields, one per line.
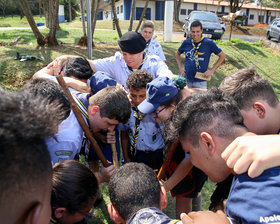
x=82 y=121
x=115 y=156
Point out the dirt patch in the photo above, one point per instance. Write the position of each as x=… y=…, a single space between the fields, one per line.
x=247 y=30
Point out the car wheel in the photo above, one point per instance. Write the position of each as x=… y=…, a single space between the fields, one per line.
x=185 y=35
x=268 y=36
x=279 y=39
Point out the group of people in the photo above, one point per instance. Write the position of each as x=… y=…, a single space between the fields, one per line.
x=160 y=122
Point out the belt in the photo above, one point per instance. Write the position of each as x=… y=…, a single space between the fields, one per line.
x=148 y=151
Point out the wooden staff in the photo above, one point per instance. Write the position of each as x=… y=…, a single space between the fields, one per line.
x=115 y=156
x=82 y=121
x=170 y=149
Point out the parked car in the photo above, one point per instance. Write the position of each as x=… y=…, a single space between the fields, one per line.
x=210 y=24
x=273 y=30
x=223 y=24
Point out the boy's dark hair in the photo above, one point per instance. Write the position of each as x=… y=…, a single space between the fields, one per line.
x=149 y=24
x=113 y=103
x=246 y=86
x=138 y=80
x=78 y=67
x=25 y=122
x=196 y=23
x=50 y=90
x=212 y=111
x=133 y=187
x=74 y=186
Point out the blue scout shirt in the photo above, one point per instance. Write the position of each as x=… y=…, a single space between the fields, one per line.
x=151 y=216
x=119 y=71
x=255 y=200
x=207 y=47
x=150 y=135
x=154 y=48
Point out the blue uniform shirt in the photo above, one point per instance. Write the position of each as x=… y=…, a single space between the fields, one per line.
x=255 y=200
x=150 y=135
x=207 y=47
x=154 y=48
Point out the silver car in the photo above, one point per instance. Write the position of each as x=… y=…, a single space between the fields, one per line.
x=210 y=24
x=273 y=30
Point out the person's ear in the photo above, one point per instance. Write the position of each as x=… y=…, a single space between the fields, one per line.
x=114 y=215
x=94 y=109
x=163 y=198
x=208 y=142
x=59 y=212
x=259 y=109
x=34 y=214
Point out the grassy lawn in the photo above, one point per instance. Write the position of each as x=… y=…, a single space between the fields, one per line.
x=14 y=73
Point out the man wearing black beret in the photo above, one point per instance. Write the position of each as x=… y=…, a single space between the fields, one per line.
x=131 y=58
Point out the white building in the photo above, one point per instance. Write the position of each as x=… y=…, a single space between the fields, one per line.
x=155 y=11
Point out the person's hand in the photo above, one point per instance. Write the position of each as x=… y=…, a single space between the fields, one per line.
x=203 y=217
x=165 y=184
x=105 y=173
x=253 y=154
x=208 y=74
x=182 y=71
x=111 y=137
x=58 y=63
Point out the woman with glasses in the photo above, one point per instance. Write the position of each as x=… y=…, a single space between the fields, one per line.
x=183 y=180
x=75 y=189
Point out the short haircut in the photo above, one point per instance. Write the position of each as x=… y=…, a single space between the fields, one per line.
x=25 y=167
x=78 y=67
x=246 y=86
x=196 y=23
x=148 y=24
x=133 y=187
x=50 y=90
x=74 y=186
x=138 y=80
x=113 y=103
x=212 y=111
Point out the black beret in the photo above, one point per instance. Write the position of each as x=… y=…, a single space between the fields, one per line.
x=132 y=42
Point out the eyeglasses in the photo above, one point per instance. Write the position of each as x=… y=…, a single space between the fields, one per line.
x=156 y=113
x=89 y=214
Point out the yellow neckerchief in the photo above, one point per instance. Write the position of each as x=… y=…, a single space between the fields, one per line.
x=196 y=48
x=144 y=58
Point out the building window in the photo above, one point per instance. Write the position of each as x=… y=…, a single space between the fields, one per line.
x=183 y=12
x=121 y=8
x=251 y=16
x=118 y=10
x=261 y=19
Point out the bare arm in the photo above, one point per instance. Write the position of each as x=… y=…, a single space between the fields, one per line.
x=179 y=63
x=203 y=217
x=253 y=154
x=60 y=61
x=104 y=174
x=124 y=142
x=220 y=60
x=182 y=170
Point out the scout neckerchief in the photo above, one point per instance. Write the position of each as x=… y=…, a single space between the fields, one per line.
x=144 y=58
x=196 y=48
x=135 y=133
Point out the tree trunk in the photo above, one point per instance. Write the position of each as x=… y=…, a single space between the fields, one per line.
x=83 y=17
x=53 y=21
x=27 y=12
x=94 y=15
x=142 y=16
x=115 y=19
x=70 y=11
x=131 y=15
x=45 y=8
x=177 y=6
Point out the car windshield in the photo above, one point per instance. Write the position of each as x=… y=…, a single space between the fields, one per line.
x=205 y=17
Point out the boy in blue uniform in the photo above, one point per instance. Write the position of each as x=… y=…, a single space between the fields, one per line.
x=137 y=196
x=198 y=51
x=206 y=123
x=26 y=171
x=143 y=141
